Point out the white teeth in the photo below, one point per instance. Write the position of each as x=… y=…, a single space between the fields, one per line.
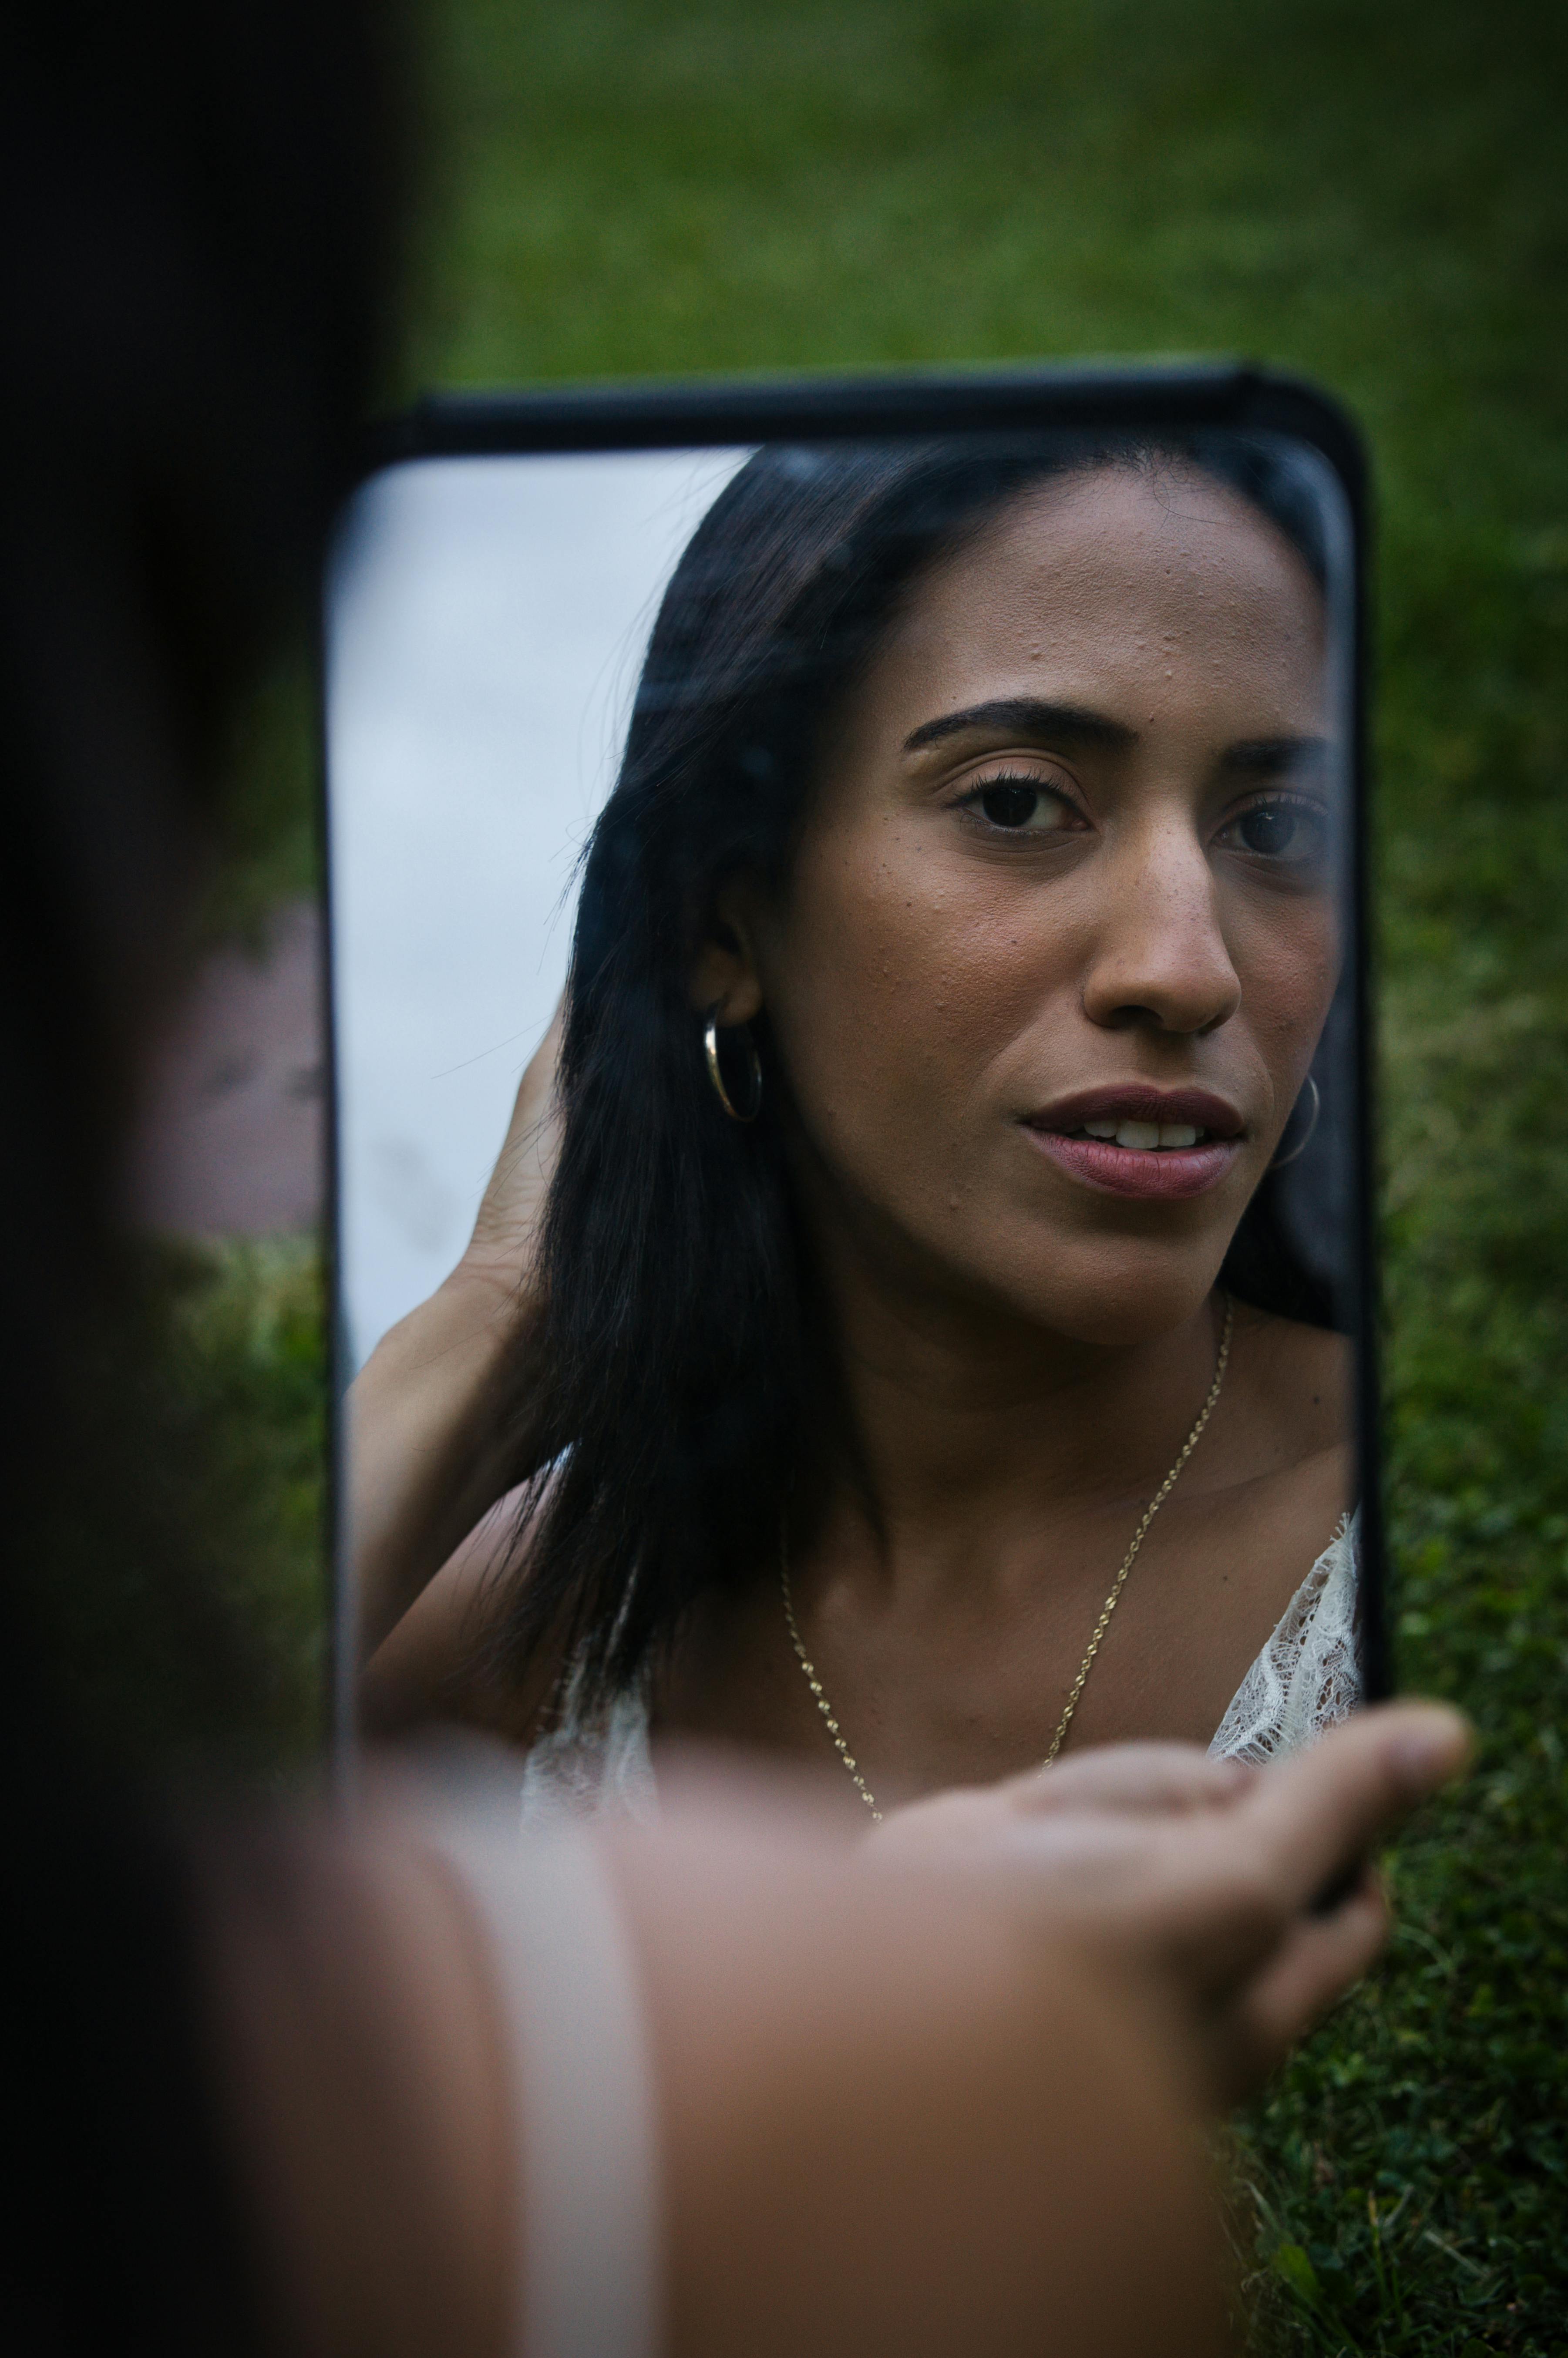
x=1144 y=1136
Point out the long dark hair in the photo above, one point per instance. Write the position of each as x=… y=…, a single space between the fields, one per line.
x=674 y=1398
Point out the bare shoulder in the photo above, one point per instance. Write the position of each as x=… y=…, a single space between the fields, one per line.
x=438 y=1663
x=1284 y=1471
x=1297 y=1383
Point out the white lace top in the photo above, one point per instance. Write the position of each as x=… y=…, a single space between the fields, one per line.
x=1306 y=1677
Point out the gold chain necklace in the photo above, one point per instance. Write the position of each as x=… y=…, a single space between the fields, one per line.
x=1128 y=1561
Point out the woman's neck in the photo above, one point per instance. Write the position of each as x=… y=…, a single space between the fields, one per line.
x=963 y=1412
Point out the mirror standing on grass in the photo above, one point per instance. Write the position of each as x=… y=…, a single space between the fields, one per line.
x=912 y=1325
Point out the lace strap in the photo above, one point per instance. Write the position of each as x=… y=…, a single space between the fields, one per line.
x=1308 y=1675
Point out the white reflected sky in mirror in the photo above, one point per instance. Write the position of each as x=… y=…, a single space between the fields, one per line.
x=486 y=622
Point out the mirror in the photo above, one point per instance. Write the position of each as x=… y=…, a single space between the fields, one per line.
x=946 y=1344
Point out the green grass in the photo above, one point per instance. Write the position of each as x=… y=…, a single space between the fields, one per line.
x=200 y=1646
x=249 y=1385
x=1374 y=195
x=266 y=850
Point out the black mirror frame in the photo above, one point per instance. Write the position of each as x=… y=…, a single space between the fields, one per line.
x=730 y=411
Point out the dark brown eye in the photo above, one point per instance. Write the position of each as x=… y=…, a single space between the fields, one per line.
x=1271 y=828
x=1009 y=804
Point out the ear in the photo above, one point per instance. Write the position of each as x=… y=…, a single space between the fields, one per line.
x=724 y=976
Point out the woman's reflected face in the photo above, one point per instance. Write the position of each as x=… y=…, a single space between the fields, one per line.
x=1060 y=938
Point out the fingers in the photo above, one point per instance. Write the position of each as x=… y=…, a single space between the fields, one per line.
x=535 y=1090
x=505 y=1231
x=1158 y=1777
x=1252 y=1943
x=1320 y=1959
x=1071 y=1801
x=1314 y=1816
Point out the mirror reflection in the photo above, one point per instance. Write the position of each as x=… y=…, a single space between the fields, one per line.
x=901 y=1320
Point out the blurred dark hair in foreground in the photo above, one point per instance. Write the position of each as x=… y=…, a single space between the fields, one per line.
x=201 y=208
x=200 y=219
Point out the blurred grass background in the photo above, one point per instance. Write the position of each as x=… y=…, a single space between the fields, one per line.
x=1374 y=195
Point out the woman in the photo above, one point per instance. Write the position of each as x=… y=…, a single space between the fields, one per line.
x=914 y=1372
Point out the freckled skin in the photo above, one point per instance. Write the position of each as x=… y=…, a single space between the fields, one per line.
x=1024 y=1354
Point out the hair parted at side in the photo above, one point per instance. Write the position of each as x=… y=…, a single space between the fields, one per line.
x=672 y=1403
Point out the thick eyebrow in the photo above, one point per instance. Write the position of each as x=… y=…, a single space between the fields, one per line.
x=1025 y=715
x=1274 y=757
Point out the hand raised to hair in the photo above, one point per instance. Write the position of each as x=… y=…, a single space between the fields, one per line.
x=505 y=1245
x=428 y=1458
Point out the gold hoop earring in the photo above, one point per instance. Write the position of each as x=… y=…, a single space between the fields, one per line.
x=716 y=1075
x=1282 y=1162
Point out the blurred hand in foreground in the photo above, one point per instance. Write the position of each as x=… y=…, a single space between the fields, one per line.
x=1243 y=1900
x=929 y=2092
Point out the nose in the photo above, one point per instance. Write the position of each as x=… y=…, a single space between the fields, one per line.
x=1160 y=960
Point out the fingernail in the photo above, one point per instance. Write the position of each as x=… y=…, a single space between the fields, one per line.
x=1429 y=1754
